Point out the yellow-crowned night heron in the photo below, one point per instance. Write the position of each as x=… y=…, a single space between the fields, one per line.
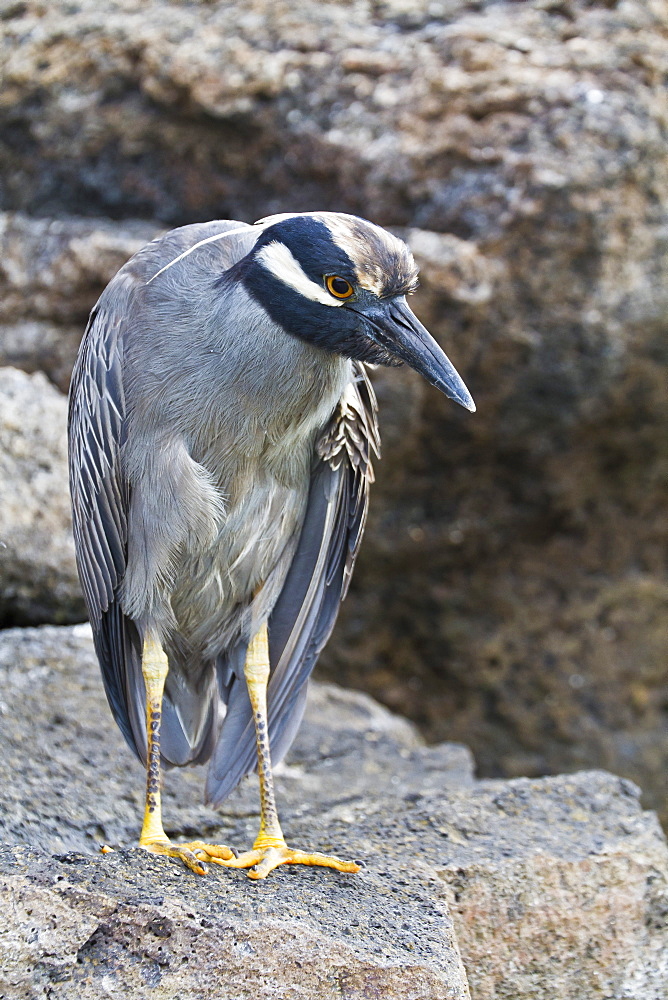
x=221 y=431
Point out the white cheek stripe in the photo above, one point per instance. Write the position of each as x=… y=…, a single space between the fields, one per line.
x=278 y=260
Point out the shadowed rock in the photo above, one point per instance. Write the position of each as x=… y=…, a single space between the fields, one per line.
x=51 y=273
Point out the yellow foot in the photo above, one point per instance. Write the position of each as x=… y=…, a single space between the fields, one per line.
x=191 y=854
x=260 y=861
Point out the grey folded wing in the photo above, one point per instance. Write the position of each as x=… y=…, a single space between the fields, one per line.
x=100 y=498
x=100 y=503
x=318 y=579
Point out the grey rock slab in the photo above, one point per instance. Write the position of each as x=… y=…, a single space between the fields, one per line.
x=129 y=923
x=554 y=887
x=125 y=921
x=80 y=786
x=38 y=577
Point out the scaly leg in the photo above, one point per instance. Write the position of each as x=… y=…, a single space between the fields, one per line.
x=270 y=849
x=153 y=837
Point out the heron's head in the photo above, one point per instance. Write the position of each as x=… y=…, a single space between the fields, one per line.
x=341 y=282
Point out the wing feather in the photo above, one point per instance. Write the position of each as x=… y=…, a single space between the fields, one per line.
x=318 y=579
x=100 y=504
x=100 y=499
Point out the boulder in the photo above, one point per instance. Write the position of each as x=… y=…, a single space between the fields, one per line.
x=51 y=273
x=35 y=345
x=38 y=576
x=523 y=889
x=511 y=591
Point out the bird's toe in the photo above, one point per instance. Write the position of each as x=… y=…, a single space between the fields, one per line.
x=192 y=854
x=259 y=862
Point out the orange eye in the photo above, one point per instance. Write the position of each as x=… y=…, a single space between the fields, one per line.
x=339 y=287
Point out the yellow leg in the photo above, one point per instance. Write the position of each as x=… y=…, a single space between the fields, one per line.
x=153 y=837
x=270 y=850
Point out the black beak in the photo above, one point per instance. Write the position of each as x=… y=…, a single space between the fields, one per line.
x=399 y=331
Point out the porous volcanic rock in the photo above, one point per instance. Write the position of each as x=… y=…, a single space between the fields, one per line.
x=512 y=589
x=80 y=923
x=38 y=576
x=545 y=888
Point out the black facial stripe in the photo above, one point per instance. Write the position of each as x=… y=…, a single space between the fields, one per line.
x=310 y=242
x=339 y=330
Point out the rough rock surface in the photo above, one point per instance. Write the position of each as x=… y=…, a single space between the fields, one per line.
x=512 y=588
x=38 y=576
x=546 y=888
x=51 y=273
x=81 y=787
x=118 y=928
x=126 y=923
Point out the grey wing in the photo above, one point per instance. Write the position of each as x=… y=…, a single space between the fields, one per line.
x=318 y=579
x=100 y=503
x=99 y=509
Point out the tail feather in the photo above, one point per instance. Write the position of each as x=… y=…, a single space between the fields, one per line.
x=235 y=754
x=193 y=708
x=191 y=720
x=118 y=648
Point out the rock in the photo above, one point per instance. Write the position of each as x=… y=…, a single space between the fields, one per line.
x=556 y=874
x=50 y=675
x=550 y=887
x=51 y=273
x=123 y=925
x=38 y=345
x=126 y=925
x=38 y=577
x=511 y=590
x=127 y=922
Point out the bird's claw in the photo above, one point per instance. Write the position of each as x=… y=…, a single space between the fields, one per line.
x=259 y=862
x=192 y=854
